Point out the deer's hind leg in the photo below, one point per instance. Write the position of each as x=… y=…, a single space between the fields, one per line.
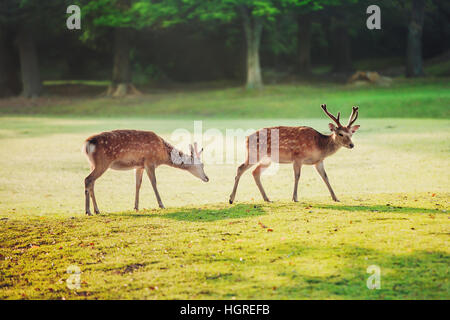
x=89 y=183
x=152 y=176
x=257 y=175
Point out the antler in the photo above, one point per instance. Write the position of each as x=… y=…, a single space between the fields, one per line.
x=353 y=116
x=196 y=150
x=324 y=107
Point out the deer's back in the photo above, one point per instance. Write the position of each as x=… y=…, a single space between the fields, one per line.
x=293 y=142
x=126 y=149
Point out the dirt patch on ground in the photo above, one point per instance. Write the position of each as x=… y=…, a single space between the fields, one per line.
x=62 y=94
x=19 y=102
x=75 y=90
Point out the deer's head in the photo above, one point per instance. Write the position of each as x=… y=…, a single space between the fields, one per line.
x=191 y=162
x=343 y=134
x=195 y=164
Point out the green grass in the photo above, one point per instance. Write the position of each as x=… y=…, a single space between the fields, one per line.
x=393 y=213
x=425 y=98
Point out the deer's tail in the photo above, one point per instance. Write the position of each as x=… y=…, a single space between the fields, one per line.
x=89 y=148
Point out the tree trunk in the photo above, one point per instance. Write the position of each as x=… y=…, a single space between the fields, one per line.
x=341 y=48
x=121 y=78
x=414 y=65
x=253 y=29
x=29 y=64
x=9 y=68
x=304 y=44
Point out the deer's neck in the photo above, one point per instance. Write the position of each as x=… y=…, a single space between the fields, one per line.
x=329 y=145
x=176 y=158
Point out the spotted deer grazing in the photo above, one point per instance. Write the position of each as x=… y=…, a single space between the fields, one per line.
x=139 y=150
x=297 y=145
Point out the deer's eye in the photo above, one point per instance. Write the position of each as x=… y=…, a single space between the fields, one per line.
x=341 y=134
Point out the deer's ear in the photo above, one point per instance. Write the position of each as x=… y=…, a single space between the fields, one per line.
x=354 y=128
x=191 y=149
x=332 y=127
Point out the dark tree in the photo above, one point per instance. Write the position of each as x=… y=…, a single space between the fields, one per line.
x=101 y=17
x=121 y=73
x=252 y=14
x=414 y=64
x=253 y=27
x=25 y=21
x=124 y=17
x=29 y=64
x=19 y=19
x=10 y=83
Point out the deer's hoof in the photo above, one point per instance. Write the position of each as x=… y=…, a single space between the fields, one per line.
x=88 y=213
x=230 y=201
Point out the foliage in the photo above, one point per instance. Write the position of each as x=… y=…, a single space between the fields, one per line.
x=135 y=14
x=226 y=11
x=28 y=13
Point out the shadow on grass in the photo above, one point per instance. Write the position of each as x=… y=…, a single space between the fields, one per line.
x=206 y=215
x=410 y=275
x=379 y=208
x=248 y=210
x=417 y=275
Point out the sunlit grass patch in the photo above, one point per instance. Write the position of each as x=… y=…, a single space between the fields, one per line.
x=281 y=250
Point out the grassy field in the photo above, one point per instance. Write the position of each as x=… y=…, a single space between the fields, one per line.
x=428 y=98
x=393 y=212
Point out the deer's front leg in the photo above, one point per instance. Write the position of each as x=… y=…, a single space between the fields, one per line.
x=151 y=175
x=297 y=171
x=321 y=170
x=139 y=173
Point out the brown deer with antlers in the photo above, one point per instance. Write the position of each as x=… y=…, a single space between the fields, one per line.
x=139 y=150
x=297 y=145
